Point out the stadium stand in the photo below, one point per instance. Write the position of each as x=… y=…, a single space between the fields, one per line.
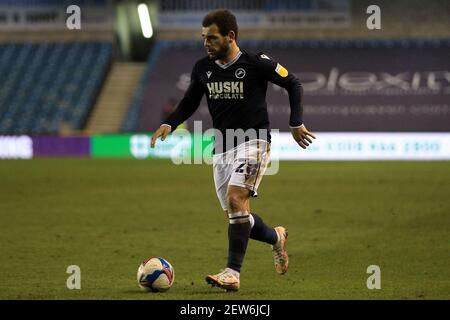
x=400 y=18
x=267 y=5
x=60 y=81
x=50 y=86
x=145 y=99
x=130 y=120
x=180 y=22
x=112 y=104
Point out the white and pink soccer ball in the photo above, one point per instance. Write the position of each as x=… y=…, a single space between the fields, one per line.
x=155 y=274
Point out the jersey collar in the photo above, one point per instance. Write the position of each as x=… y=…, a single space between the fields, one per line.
x=226 y=65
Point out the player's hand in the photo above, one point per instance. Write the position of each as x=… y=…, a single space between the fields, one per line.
x=302 y=136
x=162 y=132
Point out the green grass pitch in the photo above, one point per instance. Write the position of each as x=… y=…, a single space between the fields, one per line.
x=106 y=216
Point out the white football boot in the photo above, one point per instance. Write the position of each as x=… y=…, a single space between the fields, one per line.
x=280 y=255
x=225 y=280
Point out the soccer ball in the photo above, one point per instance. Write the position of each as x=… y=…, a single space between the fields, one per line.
x=155 y=274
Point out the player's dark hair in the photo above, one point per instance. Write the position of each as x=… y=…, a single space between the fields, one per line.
x=224 y=19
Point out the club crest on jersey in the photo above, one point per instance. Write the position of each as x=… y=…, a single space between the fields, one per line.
x=240 y=73
x=208 y=74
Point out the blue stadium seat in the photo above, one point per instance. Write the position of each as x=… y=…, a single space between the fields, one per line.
x=46 y=85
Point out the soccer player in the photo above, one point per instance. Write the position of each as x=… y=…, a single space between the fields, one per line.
x=235 y=84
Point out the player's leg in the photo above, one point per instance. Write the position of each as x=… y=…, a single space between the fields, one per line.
x=238 y=226
x=276 y=237
x=256 y=155
x=223 y=167
x=259 y=230
x=235 y=184
x=238 y=235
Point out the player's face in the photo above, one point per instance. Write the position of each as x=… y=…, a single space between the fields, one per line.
x=217 y=46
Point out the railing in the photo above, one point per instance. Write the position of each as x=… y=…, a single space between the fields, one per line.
x=44 y=15
x=253 y=5
x=182 y=14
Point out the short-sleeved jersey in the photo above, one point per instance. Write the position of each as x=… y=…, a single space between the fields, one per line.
x=236 y=93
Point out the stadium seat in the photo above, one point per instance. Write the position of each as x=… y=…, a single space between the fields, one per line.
x=47 y=85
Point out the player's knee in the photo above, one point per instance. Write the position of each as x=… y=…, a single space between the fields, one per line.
x=236 y=201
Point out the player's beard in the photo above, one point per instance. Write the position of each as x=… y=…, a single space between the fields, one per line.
x=222 y=52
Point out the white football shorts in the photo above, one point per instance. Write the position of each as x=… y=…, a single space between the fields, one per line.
x=242 y=166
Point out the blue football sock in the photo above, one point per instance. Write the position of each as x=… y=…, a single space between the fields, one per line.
x=238 y=235
x=262 y=232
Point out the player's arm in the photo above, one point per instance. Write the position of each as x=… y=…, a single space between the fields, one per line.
x=276 y=73
x=187 y=106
